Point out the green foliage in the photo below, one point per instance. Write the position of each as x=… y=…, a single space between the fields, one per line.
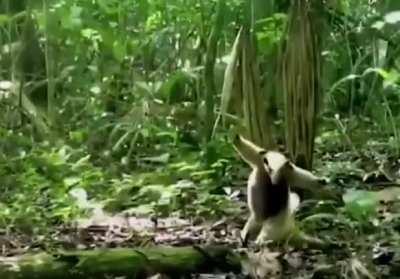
x=271 y=32
x=37 y=182
x=361 y=205
x=130 y=102
x=40 y=180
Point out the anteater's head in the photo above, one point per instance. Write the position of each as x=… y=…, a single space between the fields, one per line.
x=273 y=161
x=250 y=152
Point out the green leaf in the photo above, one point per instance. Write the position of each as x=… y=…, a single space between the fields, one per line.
x=119 y=50
x=107 y=37
x=390 y=77
x=71 y=19
x=70 y=181
x=173 y=89
x=392 y=17
x=82 y=161
x=360 y=205
x=163 y=158
x=109 y=6
x=4 y=19
x=90 y=33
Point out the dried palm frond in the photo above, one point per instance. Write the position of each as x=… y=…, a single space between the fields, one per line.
x=242 y=94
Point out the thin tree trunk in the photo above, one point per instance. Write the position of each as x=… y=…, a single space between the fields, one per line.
x=50 y=66
x=209 y=77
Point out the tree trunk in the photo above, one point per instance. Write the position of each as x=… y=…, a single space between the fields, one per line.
x=209 y=77
x=301 y=82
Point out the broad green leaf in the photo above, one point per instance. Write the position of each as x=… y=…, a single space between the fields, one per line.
x=72 y=19
x=70 y=181
x=361 y=205
x=109 y=6
x=390 y=77
x=90 y=34
x=173 y=90
x=119 y=50
x=4 y=19
x=107 y=37
x=392 y=17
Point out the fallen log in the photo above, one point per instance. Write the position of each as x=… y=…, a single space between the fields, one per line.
x=121 y=262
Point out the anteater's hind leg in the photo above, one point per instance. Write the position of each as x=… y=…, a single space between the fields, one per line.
x=250 y=229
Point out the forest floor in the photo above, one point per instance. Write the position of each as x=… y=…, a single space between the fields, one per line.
x=366 y=228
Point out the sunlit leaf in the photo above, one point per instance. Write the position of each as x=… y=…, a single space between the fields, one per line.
x=3 y=19
x=392 y=17
x=163 y=158
x=173 y=90
x=70 y=181
x=109 y=6
x=119 y=50
x=80 y=196
x=361 y=205
x=71 y=18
